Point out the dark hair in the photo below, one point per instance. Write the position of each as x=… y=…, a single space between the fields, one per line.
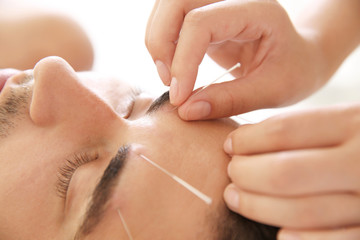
x=232 y=226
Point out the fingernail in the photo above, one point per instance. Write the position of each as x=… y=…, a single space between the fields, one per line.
x=163 y=71
x=289 y=236
x=198 y=110
x=232 y=198
x=174 y=90
x=228 y=146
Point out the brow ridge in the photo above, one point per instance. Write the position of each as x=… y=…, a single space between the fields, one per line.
x=102 y=193
x=159 y=102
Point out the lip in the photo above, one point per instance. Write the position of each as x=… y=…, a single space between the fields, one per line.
x=5 y=74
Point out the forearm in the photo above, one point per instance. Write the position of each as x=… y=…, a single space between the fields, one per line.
x=334 y=28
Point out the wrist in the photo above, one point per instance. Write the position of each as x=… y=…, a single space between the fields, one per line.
x=318 y=64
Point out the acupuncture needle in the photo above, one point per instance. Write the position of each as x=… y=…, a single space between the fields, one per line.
x=214 y=81
x=242 y=119
x=189 y=187
x=127 y=230
x=218 y=78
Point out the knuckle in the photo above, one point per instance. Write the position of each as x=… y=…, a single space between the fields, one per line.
x=277 y=132
x=235 y=105
x=160 y=49
x=227 y=103
x=152 y=45
x=194 y=18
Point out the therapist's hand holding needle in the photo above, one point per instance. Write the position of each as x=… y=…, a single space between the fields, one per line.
x=298 y=171
x=279 y=65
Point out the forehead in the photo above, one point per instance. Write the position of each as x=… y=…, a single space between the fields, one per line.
x=190 y=150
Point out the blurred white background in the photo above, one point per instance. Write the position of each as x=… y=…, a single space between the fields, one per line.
x=117 y=28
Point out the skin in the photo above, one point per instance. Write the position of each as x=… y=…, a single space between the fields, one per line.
x=65 y=113
x=30 y=35
x=313 y=179
x=282 y=62
x=291 y=164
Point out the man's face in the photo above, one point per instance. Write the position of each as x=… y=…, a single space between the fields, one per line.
x=60 y=131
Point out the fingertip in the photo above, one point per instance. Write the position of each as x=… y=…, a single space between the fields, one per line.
x=174 y=91
x=230 y=169
x=288 y=235
x=228 y=146
x=196 y=110
x=178 y=92
x=182 y=85
x=232 y=197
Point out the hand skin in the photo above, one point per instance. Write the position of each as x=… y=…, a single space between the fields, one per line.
x=282 y=62
x=299 y=171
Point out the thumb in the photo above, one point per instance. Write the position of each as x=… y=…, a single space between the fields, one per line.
x=226 y=99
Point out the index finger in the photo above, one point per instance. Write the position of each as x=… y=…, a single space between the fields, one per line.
x=214 y=23
x=295 y=130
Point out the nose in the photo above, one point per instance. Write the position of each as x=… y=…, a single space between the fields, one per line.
x=59 y=98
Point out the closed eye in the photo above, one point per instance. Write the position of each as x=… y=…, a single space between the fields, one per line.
x=68 y=169
x=135 y=92
x=142 y=105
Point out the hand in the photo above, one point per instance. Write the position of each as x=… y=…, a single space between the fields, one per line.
x=299 y=171
x=279 y=65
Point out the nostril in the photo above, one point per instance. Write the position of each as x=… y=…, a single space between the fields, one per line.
x=5 y=74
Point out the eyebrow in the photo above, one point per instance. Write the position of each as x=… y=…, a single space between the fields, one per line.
x=104 y=189
x=159 y=102
x=102 y=193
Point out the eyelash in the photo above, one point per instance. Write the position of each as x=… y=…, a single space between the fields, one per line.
x=130 y=108
x=133 y=96
x=67 y=171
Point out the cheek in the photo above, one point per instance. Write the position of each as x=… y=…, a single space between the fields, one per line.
x=27 y=171
x=29 y=163
x=29 y=195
